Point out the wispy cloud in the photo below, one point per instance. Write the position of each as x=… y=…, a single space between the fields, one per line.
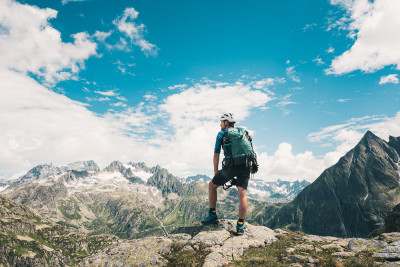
x=135 y=32
x=102 y=36
x=330 y=50
x=97 y=99
x=267 y=82
x=119 y=104
x=292 y=74
x=150 y=97
x=318 y=61
x=106 y=93
x=309 y=26
x=284 y=102
x=64 y=2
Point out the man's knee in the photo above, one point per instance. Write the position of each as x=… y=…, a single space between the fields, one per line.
x=212 y=186
x=242 y=192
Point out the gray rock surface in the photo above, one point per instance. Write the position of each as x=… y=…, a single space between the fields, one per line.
x=214 y=259
x=141 y=252
x=210 y=238
x=391 y=252
x=359 y=245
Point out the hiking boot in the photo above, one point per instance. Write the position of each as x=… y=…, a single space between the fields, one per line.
x=240 y=228
x=211 y=219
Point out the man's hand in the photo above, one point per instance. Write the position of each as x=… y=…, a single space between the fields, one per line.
x=216 y=172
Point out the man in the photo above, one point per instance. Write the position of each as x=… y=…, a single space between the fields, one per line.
x=228 y=171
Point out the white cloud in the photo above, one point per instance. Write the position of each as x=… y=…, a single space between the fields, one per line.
x=177 y=86
x=134 y=32
x=102 y=36
x=121 y=98
x=60 y=130
x=343 y=100
x=207 y=101
x=265 y=83
x=374 y=27
x=119 y=104
x=392 y=78
x=292 y=74
x=30 y=44
x=286 y=165
x=107 y=93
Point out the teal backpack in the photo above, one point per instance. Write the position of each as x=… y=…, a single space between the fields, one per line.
x=238 y=148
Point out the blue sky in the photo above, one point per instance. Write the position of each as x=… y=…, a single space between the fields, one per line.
x=147 y=81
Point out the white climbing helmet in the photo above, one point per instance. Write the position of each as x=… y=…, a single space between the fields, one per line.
x=227 y=117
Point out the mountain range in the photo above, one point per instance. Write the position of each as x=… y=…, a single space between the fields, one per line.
x=349 y=199
x=129 y=199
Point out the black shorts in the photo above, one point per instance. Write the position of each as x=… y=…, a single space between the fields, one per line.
x=242 y=172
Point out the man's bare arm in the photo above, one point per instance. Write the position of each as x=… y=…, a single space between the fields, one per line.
x=216 y=162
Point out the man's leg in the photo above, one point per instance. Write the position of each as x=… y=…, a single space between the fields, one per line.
x=212 y=194
x=212 y=198
x=243 y=202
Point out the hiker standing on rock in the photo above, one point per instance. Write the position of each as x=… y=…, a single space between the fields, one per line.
x=239 y=160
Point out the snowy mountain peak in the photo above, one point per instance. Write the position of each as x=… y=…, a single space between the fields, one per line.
x=134 y=172
x=48 y=170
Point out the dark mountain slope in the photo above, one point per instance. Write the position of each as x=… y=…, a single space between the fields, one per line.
x=350 y=198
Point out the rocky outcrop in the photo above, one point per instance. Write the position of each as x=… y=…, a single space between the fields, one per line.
x=351 y=198
x=218 y=242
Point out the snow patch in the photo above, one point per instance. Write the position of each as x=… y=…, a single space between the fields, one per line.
x=256 y=192
x=143 y=175
x=3 y=188
x=128 y=166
